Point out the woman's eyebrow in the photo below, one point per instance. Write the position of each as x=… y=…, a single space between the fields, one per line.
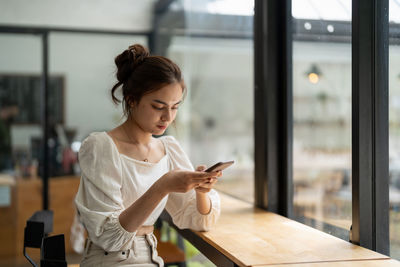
x=162 y=102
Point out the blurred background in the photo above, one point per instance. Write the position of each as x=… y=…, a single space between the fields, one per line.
x=212 y=42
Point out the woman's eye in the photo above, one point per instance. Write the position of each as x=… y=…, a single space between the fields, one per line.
x=175 y=107
x=157 y=108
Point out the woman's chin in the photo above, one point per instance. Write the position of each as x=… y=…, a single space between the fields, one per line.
x=159 y=131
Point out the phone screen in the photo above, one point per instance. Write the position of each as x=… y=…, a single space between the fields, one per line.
x=220 y=166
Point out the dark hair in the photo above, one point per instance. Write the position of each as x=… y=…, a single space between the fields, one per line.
x=139 y=73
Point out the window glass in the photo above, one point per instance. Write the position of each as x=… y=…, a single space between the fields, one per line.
x=86 y=64
x=81 y=74
x=20 y=136
x=394 y=127
x=212 y=41
x=322 y=115
x=215 y=123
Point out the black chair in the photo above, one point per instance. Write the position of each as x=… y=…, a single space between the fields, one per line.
x=52 y=248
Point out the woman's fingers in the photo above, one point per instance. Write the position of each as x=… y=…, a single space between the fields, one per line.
x=206 y=187
x=201 y=168
x=199 y=179
x=203 y=190
x=201 y=176
x=209 y=184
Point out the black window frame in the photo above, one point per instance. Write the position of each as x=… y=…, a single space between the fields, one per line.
x=273 y=106
x=370 y=125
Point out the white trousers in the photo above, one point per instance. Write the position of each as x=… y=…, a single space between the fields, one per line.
x=142 y=254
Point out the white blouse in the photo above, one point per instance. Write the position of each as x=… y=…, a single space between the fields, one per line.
x=112 y=181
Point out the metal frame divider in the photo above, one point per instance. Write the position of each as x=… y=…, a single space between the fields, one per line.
x=273 y=105
x=158 y=41
x=370 y=188
x=45 y=115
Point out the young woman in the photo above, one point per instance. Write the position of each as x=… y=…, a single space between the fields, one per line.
x=129 y=177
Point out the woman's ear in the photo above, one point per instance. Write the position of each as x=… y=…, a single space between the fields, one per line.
x=132 y=103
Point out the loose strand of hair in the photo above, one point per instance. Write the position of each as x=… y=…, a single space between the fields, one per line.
x=114 y=98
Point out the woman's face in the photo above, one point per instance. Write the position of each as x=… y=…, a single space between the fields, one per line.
x=156 y=110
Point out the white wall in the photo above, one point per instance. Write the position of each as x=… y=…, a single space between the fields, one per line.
x=85 y=61
x=124 y=15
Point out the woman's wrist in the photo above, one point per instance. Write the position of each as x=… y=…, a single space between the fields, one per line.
x=201 y=194
x=203 y=203
x=160 y=187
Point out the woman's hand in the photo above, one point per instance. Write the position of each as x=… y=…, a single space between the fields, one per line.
x=182 y=181
x=206 y=187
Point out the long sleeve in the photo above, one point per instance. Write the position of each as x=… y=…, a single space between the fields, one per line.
x=182 y=206
x=183 y=209
x=99 y=200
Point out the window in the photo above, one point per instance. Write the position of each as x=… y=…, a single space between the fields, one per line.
x=394 y=127
x=20 y=59
x=215 y=52
x=322 y=115
x=20 y=56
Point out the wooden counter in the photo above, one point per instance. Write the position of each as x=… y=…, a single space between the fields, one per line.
x=243 y=236
x=365 y=263
x=248 y=236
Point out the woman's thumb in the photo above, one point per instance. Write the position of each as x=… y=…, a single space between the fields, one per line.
x=201 y=168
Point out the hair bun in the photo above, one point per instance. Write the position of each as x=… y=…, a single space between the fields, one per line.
x=138 y=53
x=128 y=61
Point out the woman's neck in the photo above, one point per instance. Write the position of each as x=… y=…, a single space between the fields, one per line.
x=135 y=133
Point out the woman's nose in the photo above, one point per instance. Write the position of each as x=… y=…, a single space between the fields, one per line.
x=166 y=115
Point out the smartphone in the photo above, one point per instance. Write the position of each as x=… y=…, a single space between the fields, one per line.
x=219 y=166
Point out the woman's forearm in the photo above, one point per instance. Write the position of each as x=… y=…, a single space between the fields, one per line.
x=136 y=214
x=203 y=203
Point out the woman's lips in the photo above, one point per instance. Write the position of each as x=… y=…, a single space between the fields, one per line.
x=161 y=127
